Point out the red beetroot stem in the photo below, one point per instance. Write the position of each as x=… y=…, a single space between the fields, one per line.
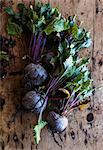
x=37 y=47
x=44 y=42
x=33 y=46
x=30 y=45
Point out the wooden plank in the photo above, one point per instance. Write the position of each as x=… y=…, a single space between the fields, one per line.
x=19 y=135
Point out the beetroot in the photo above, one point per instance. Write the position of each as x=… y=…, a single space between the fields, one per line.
x=35 y=74
x=33 y=101
x=57 y=122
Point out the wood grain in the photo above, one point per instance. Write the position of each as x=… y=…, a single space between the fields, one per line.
x=18 y=135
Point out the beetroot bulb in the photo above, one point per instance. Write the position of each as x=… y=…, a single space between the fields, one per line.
x=33 y=101
x=57 y=122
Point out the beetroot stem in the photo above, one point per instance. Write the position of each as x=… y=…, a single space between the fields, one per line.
x=33 y=46
x=68 y=101
x=37 y=48
x=30 y=45
x=40 y=115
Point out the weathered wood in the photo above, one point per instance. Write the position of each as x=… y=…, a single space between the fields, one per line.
x=19 y=135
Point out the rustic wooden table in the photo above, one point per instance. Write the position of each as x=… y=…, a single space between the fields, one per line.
x=81 y=134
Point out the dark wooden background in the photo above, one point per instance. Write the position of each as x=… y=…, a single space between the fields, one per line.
x=18 y=135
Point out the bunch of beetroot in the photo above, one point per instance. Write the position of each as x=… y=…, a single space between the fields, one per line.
x=55 y=78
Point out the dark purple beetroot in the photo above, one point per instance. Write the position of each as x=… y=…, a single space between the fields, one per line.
x=57 y=122
x=34 y=75
x=33 y=101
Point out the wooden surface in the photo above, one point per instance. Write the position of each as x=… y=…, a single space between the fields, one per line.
x=18 y=135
